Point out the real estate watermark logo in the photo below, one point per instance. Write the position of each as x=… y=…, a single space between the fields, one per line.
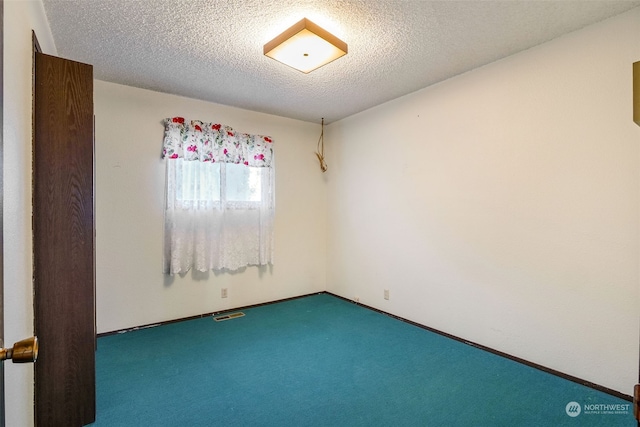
x=573 y=409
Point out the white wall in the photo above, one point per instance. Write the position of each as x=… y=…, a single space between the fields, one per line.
x=501 y=206
x=20 y=17
x=130 y=175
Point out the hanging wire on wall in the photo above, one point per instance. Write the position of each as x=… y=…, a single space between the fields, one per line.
x=320 y=149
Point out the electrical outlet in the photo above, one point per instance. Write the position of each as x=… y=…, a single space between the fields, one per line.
x=223 y=293
x=386 y=294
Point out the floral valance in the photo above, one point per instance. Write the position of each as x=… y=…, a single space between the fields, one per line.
x=213 y=142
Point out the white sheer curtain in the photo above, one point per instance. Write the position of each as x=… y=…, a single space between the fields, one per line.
x=219 y=197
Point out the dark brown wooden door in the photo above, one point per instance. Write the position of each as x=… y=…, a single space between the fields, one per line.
x=63 y=232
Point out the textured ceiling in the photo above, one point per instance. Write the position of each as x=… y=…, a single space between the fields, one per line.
x=212 y=49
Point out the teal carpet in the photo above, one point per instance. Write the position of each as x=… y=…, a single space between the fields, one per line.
x=322 y=361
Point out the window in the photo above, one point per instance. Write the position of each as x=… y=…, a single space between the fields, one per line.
x=202 y=182
x=219 y=197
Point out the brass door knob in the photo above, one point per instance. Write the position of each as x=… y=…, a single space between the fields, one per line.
x=25 y=351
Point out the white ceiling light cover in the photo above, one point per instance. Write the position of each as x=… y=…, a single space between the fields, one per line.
x=305 y=47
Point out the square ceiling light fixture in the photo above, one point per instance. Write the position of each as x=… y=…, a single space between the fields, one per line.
x=305 y=47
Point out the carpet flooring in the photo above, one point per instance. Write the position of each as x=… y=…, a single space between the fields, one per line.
x=323 y=361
